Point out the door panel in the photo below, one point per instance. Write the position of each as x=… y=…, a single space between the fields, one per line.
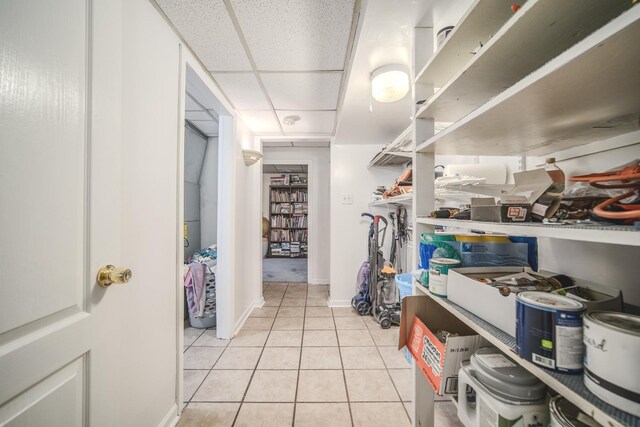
x=42 y=167
x=44 y=321
x=58 y=399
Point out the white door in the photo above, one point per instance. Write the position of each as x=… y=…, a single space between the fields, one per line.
x=68 y=346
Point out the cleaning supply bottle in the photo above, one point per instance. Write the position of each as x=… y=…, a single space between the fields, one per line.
x=556 y=175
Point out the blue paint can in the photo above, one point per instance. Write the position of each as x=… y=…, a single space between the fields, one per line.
x=549 y=331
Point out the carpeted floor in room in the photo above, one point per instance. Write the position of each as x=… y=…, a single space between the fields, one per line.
x=284 y=270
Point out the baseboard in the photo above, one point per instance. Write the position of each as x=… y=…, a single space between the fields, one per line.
x=247 y=313
x=339 y=303
x=171 y=418
x=318 y=281
x=243 y=318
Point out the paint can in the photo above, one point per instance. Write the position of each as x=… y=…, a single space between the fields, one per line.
x=611 y=368
x=549 y=330
x=566 y=414
x=439 y=274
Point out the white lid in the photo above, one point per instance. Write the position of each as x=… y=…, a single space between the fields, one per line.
x=549 y=301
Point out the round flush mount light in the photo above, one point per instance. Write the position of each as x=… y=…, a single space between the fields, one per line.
x=290 y=120
x=389 y=83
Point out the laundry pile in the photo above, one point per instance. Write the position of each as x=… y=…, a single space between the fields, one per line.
x=200 y=287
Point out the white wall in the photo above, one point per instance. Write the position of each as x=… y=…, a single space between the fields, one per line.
x=248 y=232
x=209 y=195
x=195 y=146
x=319 y=203
x=350 y=175
x=148 y=82
x=150 y=130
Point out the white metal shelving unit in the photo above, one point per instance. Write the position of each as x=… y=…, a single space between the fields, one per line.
x=611 y=234
x=577 y=89
x=397 y=153
x=403 y=199
x=583 y=95
x=486 y=74
x=570 y=386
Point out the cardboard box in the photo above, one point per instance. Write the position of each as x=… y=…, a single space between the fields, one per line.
x=421 y=318
x=516 y=205
x=487 y=303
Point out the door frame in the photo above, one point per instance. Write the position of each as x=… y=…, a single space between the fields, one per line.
x=225 y=324
x=310 y=215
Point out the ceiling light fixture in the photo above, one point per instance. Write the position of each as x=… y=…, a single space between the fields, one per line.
x=389 y=83
x=251 y=157
x=290 y=120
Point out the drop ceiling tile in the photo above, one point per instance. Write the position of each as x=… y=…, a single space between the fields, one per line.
x=208 y=29
x=208 y=127
x=197 y=115
x=260 y=121
x=242 y=90
x=296 y=34
x=304 y=91
x=310 y=121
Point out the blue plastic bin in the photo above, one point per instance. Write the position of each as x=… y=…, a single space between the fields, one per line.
x=404 y=282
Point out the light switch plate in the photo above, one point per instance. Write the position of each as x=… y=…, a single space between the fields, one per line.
x=347 y=199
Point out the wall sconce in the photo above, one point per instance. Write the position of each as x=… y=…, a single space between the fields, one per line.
x=389 y=83
x=251 y=157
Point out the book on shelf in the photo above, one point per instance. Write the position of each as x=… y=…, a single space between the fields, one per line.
x=280 y=208
x=299 y=195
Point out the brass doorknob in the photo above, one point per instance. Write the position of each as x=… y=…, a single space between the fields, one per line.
x=108 y=275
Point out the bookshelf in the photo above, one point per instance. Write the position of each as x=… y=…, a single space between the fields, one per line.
x=288 y=220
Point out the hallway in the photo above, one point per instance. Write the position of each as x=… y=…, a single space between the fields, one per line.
x=297 y=362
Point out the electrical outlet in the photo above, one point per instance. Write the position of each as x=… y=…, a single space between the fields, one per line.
x=347 y=199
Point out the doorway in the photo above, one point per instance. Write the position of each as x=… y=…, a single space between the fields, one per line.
x=285 y=216
x=205 y=292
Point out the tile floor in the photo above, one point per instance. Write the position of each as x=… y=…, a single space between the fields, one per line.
x=297 y=362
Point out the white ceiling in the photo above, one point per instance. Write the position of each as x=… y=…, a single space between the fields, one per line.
x=199 y=112
x=386 y=38
x=273 y=58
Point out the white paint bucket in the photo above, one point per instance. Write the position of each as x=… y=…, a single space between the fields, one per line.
x=611 y=368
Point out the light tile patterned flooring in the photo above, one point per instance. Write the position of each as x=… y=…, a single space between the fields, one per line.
x=297 y=362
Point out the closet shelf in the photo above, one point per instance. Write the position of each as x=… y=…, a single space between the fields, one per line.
x=611 y=234
x=586 y=94
x=570 y=386
x=403 y=199
x=398 y=152
x=513 y=53
x=482 y=20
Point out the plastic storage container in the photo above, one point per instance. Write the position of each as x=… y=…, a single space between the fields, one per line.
x=502 y=393
x=404 y=283
x=208 y=318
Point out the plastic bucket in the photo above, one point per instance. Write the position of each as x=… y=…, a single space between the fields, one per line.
x=404 y=283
